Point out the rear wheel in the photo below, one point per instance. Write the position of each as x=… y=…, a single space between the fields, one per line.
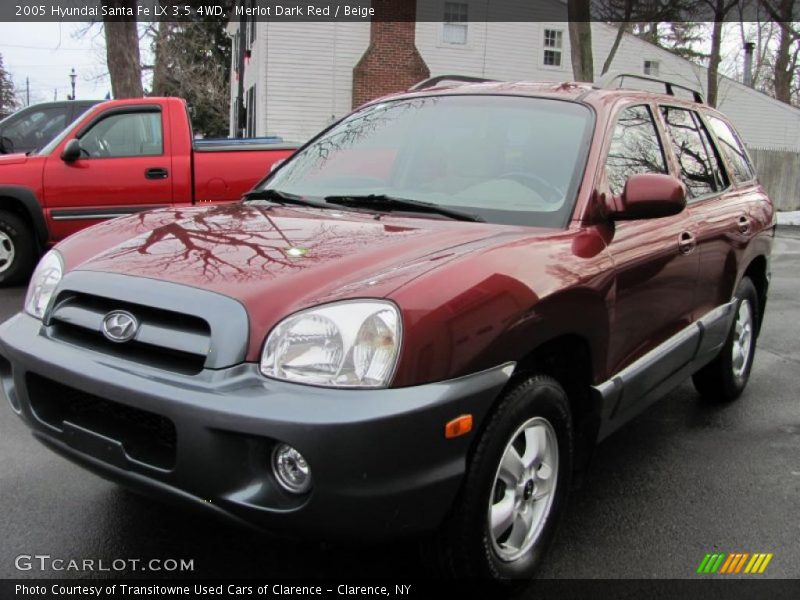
x=516 y=486
x=17 y=249
x=724 y=379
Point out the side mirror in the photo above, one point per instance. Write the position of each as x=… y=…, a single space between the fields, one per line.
x=648 y=196
x=72 y=151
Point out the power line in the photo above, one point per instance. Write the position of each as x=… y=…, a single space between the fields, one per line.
x=56 y=49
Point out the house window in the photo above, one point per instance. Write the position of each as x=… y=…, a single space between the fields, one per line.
x=251 y=112
x=236 y=41
x=651 y=68
x=454 y=23
x=251 y=32
x=553 y=41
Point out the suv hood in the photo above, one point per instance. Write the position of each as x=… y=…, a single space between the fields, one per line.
x=276 y=260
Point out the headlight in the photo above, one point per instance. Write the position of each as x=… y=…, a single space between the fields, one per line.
x=347 y=344
x=43 y=283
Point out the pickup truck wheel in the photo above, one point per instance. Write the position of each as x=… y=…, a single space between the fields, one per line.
x=17 y=249
x=724 y=379
x=516 y=486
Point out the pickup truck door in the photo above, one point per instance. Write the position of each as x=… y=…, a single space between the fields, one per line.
x=124 y=168
x=655 y=266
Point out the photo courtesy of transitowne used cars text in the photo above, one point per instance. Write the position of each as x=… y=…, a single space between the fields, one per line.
x=417 y=325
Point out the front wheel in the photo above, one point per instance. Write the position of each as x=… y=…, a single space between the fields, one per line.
x=724 y=379
x=516 y=486
x=17 y=249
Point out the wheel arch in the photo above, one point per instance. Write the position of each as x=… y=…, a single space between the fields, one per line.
x=758 y=272
x=568 y=359
x=22 y=201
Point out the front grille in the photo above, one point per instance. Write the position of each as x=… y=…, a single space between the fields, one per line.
x=167 y=340
x=147 y=437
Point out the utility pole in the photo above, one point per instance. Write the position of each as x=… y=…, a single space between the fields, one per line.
x=27 y=92
x=72 y=77
x=55 y=94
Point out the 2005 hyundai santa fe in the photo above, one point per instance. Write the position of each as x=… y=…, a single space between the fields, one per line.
x=420 y=322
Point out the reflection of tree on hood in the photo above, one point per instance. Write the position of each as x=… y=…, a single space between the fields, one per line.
x=233 y=241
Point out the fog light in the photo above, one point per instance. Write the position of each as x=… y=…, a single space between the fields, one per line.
x=291 y=469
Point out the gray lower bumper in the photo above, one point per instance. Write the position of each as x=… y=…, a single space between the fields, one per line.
x=379 y=458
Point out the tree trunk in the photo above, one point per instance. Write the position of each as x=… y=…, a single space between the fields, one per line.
x=624 y=26
x=783 y=63
x=160 y=60
x=614 y=47
x=122 y=52
x=580 y=40
x=714 y=57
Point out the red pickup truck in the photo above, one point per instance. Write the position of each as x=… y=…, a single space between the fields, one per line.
x=121 y=157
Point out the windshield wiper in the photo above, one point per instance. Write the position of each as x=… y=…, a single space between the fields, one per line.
x=389 y=203
x=282 y=198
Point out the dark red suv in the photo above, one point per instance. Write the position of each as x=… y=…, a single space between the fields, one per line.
x=420 y=322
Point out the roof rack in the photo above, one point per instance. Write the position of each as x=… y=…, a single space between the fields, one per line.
x=433 y=81
x=605 y=83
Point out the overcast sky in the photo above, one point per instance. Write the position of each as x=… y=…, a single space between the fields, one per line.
x=46 y=52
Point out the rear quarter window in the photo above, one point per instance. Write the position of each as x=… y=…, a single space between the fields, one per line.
x=732 y=149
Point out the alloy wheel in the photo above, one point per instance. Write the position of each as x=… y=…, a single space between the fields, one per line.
x=523 y=489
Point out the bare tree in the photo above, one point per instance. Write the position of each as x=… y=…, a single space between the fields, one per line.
x=642 y=18
x=720 y=9
x=786 y=55
x=122 y=51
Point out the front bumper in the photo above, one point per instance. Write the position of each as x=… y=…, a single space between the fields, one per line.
x=380 y=462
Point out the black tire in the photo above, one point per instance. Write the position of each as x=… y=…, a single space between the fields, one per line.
x=15 y=235
x=465 y=547
x=722 y=380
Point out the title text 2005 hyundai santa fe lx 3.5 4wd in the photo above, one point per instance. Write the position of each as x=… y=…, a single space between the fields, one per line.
x=420 y=322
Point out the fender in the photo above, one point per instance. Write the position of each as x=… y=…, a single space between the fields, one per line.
x=30 y=204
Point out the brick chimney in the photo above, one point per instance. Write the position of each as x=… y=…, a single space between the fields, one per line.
x=392 y=62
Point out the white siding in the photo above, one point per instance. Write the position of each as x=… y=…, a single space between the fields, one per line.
x=496 y=50
x=304 y=70
x=307 y=75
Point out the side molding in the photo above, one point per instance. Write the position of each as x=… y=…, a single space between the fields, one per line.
x=647 y=379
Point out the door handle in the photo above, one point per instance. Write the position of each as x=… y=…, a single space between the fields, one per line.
x=744 y=224
x=686 y=243
x=157 y=173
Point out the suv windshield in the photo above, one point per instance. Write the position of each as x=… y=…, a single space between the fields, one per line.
x=505 y=159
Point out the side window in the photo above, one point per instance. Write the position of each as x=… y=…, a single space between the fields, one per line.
x=731 y=146
x=635 y=148
x=130 y=134
x=701 y=170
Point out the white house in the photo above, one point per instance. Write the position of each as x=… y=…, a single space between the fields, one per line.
x=297 y=77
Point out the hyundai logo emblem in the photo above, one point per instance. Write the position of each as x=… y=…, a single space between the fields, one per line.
x=120 y=326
